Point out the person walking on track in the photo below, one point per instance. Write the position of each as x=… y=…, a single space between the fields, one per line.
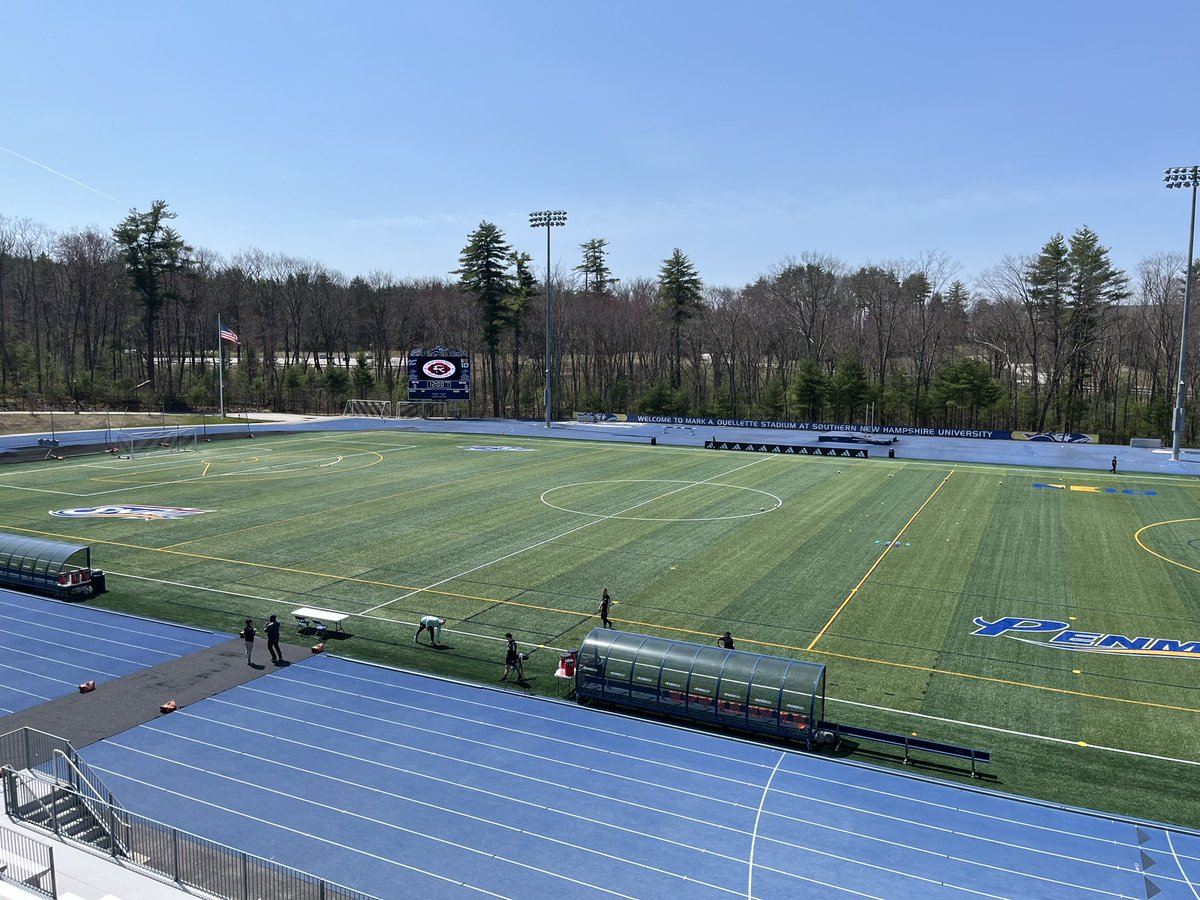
x=248 y=636
x=272 y=630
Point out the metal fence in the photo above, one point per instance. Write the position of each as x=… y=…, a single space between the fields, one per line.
x=184 y=858
x=27 y=862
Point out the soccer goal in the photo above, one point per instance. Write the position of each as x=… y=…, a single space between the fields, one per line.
x=379 y=409
x=132 y=444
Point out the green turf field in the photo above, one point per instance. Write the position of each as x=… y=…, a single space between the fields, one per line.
x=877 y=568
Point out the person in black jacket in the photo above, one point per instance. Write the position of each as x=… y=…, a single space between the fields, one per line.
x=512 y=660
x=605 y=600
x=272 y=630
x=726 y=641
x=247 y=635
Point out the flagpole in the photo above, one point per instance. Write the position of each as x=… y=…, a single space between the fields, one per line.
x=221 y=365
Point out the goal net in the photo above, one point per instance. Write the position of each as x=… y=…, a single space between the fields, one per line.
x=380 y=409
x=132 y=444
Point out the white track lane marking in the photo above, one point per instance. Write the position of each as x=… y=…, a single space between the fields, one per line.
x=1178 y=862
x=325 y=807
x=660 y=783
x=568 y=741
x=257 y=820
x=501 y=747
x=758 y=818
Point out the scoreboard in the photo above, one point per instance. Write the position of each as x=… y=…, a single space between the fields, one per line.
x=439 y=374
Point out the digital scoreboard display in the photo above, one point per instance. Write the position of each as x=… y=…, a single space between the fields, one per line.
x=439 y=374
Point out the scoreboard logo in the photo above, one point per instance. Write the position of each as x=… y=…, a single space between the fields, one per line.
x=439 y=374
x=440 y=369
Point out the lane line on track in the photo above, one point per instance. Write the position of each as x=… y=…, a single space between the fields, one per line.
x=757 y=819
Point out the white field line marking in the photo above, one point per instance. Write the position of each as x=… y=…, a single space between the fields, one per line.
x=1178 y=862
x=662 y=783
x=292 y=603
x=326 y=807
x=118 y=471
x=567 y=533
x=1024 y=734
x=758 y=818
x=1037 y=737
x=690 y=767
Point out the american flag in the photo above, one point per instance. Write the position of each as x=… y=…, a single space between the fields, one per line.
x=228 y=335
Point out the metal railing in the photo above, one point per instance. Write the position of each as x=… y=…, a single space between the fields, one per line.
x=179 y=856
x=27 y=862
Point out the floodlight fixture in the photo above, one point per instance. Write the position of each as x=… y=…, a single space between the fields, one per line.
x=548 y=218
x=1183 y=177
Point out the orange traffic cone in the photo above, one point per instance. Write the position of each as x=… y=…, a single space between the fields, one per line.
x=167 y=707
x=87 y=687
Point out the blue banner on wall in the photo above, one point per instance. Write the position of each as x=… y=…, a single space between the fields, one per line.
x=885 y=430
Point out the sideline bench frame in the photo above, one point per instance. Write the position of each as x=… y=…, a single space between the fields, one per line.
x=319 y=620
x=909 y=744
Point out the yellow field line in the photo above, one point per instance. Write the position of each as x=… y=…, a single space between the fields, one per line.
x=928 y=669
x=1137 y=536
x=552 y=609
x=1011 y=683
x=324 y=575
x=886 y=551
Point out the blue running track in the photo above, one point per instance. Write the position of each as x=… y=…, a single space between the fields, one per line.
x=49 y=647
x=402 y=785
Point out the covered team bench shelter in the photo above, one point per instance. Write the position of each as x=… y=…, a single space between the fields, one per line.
x=48 y=567
x=748 y=691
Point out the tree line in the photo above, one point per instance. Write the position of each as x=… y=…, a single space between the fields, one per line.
x=1055 y=340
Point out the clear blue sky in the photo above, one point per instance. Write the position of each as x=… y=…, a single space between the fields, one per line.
x=378 y=135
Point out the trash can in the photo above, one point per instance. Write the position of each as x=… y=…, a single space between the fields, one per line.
x=891 y=453
x=566 y=664
x=98 y=586
x=653 y=441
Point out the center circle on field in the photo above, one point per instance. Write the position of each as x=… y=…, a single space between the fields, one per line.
x=767 y=501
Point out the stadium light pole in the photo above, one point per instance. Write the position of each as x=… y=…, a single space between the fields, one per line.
x=548 y=219
x=1183 y=177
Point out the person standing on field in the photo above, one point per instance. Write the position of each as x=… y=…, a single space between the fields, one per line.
x=512 y=660
x=605 y=600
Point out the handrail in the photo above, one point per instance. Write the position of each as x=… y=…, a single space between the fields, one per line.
x=105 y=798
x=31 y=775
